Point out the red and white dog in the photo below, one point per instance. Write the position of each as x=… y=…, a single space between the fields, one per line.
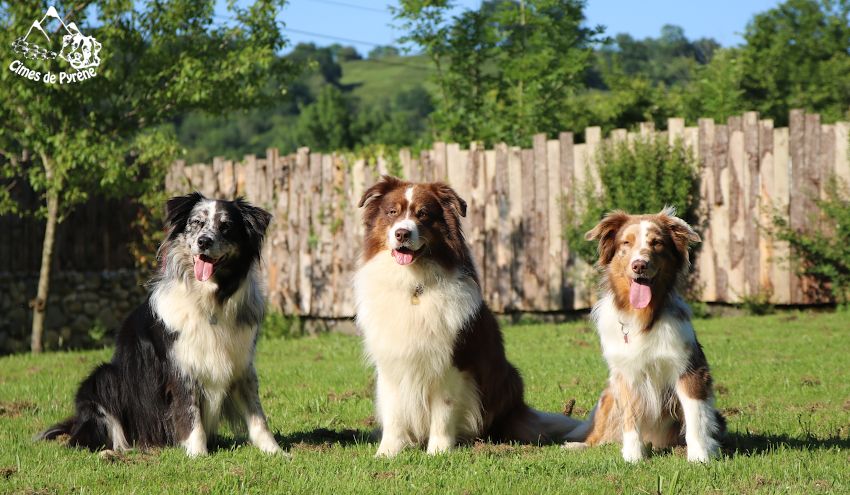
x=442 y=374
x=658 y=374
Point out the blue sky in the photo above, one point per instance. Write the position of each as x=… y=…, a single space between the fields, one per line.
x=369 y=22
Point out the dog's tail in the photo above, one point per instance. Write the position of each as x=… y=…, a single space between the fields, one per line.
x=57 y=430
x=538 y=427
x=580 y=433
x=88 y=431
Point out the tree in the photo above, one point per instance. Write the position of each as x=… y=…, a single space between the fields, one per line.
x=797 y=55
x=325 y=125
x=504 y=71
x=104 y=135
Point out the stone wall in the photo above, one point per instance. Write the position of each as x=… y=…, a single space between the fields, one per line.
x=83 y=310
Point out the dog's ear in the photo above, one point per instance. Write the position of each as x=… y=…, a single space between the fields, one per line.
x=256 y=220
x=383 y=186
x=606 y=233
x=449 y=198
x=177 y=210
x=682 y=234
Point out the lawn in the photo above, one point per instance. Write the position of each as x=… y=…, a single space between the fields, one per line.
x=782 y=380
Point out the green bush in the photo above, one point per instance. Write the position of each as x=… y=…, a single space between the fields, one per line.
x=280 y=326
x=642 y=177
x=823 y=253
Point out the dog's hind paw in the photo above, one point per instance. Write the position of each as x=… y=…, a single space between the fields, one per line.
x=574 y=445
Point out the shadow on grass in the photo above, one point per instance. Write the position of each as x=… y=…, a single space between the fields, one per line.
x=745 y=443
x=318 y=439
x=323 y=437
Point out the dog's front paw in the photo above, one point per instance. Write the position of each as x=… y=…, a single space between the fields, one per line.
x=389 y=449
x=269 y=446
x=700 y=453
x=439 y=445
x=196 y=450
x=632 y=447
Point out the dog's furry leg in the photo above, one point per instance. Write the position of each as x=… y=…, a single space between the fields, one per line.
x=392 y=430
x=195 y=442
x=245 y=399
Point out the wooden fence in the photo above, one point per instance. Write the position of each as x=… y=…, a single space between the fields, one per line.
x=516 y=201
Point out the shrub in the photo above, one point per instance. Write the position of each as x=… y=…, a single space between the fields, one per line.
x=642 y=177
x=823 y=253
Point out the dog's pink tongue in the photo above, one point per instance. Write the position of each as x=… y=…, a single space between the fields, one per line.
x=402 y=258
x=203 y=269
x=639 y=295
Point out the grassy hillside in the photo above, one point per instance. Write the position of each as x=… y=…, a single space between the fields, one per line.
x=782 y=381
x=375 y=80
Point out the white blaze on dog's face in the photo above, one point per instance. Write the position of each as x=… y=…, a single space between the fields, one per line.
x=412 y=221
x=641 y=253
x=206 y=234
x=403 y=236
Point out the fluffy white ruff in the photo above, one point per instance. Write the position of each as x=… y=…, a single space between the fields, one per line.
x=421 y=397
x=212 y=348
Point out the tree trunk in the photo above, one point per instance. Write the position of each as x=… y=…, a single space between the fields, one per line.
x=39 y=304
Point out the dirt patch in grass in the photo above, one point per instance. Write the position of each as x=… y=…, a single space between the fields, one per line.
x=823 y=484
x=343 y=396
x=140 y=457
x=312 y=447
x=7 y=472
x=383 y=475
x=16 y=409
x=846 y=405
x=721 y=389
x=809 y=381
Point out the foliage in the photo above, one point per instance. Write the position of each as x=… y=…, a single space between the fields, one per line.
x=157 y=62
x=797 y=55
x=504 y=71
x=823 y=252
x=642 y=177
x=715 y=91
x=781 y=381
x=669 y=59
x=280 y=326
x=758 y=303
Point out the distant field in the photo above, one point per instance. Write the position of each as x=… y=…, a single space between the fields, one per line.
x=375 y=80
x=783 y=382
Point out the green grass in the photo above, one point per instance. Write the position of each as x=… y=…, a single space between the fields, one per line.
x=782 y=380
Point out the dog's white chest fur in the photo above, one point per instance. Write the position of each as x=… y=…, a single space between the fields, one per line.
x=410 y=318
x=211 y=347
x=412 y=314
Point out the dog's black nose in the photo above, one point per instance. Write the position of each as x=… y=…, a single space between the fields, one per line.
x=204 y=242
x=402 y=235
x=639 y=266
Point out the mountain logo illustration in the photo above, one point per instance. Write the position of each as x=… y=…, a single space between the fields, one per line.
x=77 y=49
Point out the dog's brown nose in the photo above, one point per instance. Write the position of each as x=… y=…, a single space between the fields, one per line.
x=639 y=266
x=402 y=235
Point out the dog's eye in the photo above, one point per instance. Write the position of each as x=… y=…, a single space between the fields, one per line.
x=626 y=243
x=392 y=212
x=655 y=243
x=422 y=214
x=195 y=222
